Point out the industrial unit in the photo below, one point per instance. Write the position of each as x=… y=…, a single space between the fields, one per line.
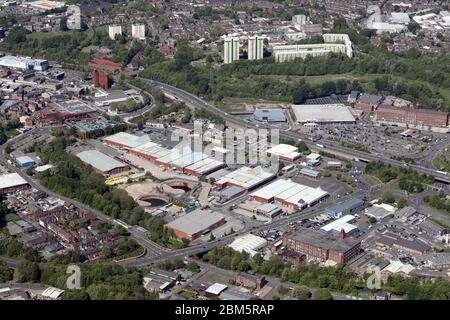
x=289 y=194
x=269 y=115
x=248 y=243
x=346 y=207
x=246 y=178
x=123 y=140
x=322 y=114
x=102 y=163
x=12 y=182
x=341 y=227
x=194 y=224
x=284 y=152
x=24 y=63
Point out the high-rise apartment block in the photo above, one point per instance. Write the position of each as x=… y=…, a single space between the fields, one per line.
x=255 y=47
x=231 y=49
x=114 y=30
x=138 y=31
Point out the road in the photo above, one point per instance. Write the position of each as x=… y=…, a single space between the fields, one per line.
x=135 y=233
x=192 y=99
x=200 y=248
x=11 y=263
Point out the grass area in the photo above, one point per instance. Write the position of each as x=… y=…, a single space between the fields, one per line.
x=11 y=217
x=134 y=253
x=88 y=49
x=371 y=180
x=233 y=104
x=11 y=133
x=44 y=35
x=175 y=244
x=186 y=294
x=442 y=162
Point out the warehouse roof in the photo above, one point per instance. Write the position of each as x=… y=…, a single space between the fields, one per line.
x=52 y=293
x=216 y=288
x=310 y=172
x=322 y=113
x=11 y=180
x=291 y=192
x=247 y=177
x=127 y=140
x=24 y=160
x=99 y=160
x=343 y=223
x=248 y=243
x=271 y=115
x=345 y=205
x=285 y=150
x=195 y=221
x=73 y=107
x=323 y=240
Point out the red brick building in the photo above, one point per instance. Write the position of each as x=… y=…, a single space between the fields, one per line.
x=250 y=281
x=100 y=79
x=320 y=246
x=412 y=116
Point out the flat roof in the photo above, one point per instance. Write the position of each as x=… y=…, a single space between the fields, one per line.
x=248 y=243
x=127 y=140
x=322 y=113
x=291 y=192
x=100 y=160
x=216 y=288
x=11 y=180
x=276 y=115
x=73 y=107
x=284 y=150
x=343 y=223
x=323 y=240
x=345 y=205
x=247 y=177
x=196 y=221
x=24 y=159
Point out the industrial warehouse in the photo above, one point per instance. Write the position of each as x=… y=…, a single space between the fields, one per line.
x=194 y=224
x=284 y=152
x=102 y=163
x=323 y=114
x=123 y=140
x=23 y=63
x=246 y=178
x=289 y=194
x=12 y=182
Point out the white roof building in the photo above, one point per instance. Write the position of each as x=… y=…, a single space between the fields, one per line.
x=100 y=161
x=284 y=151
x=289 y=194
x=340 y=224
x=11 y=180
x=323 y=114
x=126 y=140
x=216 y=288
x=248 y=243
x=52 y=293
x=246 y=177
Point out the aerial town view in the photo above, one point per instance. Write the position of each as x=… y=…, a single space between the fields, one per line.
x=203 y=150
